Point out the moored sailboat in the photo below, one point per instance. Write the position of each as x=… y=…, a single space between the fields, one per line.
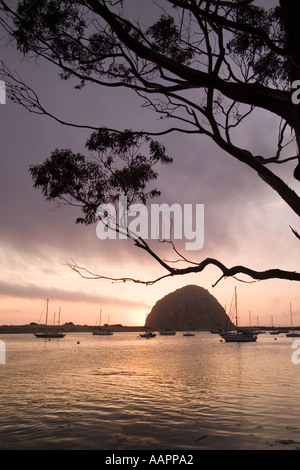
x=238 y=336
x=47 y=333
x=102 y=331
x=293 y=334
x=148 y=335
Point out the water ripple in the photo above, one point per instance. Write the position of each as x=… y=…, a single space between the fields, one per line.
x=166 y=393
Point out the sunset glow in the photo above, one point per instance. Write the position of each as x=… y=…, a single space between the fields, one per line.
x=245 y=222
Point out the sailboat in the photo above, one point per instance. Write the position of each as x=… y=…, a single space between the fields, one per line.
x=102 y=331
x=168 y=332
x=273 y=331
x=148 y=335
x=293 y=334
x=238 y=336
x=47 y=333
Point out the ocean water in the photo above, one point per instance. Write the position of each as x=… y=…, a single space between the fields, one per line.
x=123 y=392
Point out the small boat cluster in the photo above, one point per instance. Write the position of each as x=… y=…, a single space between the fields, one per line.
x=49 y=333
x=163 y=333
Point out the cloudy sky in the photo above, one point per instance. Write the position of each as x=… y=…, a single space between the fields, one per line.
x=245 y=221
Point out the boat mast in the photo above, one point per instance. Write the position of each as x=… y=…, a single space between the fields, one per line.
x=47 y=312
x=291 y=316
x=236 y=312
x=59 y=317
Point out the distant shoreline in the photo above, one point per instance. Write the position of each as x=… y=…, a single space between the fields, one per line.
x=66 y=328
x=71 y=328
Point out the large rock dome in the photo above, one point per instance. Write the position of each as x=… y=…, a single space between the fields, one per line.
x=191 y=307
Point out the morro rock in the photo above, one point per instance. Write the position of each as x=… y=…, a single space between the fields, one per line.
x=191 y=307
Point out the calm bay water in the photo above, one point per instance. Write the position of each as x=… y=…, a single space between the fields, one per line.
x=123 y=392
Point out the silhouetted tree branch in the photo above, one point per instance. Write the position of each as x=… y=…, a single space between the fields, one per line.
x=227 y=272
x=233 y=56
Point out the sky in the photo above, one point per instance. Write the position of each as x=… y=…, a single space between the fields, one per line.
x=245 y=222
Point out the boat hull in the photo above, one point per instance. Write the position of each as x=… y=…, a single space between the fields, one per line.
x=239 y=338
x=147 y=335
x=49 y=335
x=102 y=333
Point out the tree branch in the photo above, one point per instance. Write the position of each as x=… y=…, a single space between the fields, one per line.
x=226 y=272
x=276 y=101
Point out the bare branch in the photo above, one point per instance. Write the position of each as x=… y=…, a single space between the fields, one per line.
x=295 y=232
x=226 y=272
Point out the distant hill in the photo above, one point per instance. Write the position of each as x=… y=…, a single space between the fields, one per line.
x=191 y=307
